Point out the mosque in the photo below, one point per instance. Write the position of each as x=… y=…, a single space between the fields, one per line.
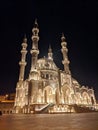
x=47 y=88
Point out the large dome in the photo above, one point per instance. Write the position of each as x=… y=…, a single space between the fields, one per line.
x=46 y=64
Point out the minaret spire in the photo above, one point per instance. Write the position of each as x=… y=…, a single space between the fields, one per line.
x=25 y=39
x=64 y=51
x=34 y=51
x=35 y=23
x=50 y=54
x=23 y=63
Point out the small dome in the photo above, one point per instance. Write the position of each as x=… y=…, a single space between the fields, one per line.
x=45 y=63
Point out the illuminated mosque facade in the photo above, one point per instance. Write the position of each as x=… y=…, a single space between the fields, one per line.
x=47 y=88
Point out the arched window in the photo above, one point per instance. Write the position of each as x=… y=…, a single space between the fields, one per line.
x=47 y=76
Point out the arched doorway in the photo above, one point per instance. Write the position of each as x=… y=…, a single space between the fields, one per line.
x=66 y=94
x=86 y=98
x=48 y=95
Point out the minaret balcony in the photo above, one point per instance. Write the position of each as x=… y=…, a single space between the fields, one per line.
x=66 y=61
x=34 y=37
x=24 y=51
x=22 y=63
x=35 y=30
x=64 y=49
x=63 y=44
x=34 y=51
x=24 y=45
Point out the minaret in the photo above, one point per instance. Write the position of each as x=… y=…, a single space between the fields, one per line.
x=34 y=51
x=23 y=63
x=50 y=54
x=64 y=51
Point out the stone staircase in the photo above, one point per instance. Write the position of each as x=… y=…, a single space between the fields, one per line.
x=44 y=109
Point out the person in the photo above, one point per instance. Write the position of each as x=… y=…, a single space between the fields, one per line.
x=0 y=113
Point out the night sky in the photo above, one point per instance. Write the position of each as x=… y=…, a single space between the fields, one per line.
x=77 y=20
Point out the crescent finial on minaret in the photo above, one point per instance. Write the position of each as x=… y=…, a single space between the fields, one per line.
x=50 y=49
x=36 y=23
x=63 y=38
x=25 y=39
x=50 y=54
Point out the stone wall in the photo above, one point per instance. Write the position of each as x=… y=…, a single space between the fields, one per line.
x=6 y=107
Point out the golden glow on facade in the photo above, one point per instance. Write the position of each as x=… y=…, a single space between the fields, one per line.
x=47 y=88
